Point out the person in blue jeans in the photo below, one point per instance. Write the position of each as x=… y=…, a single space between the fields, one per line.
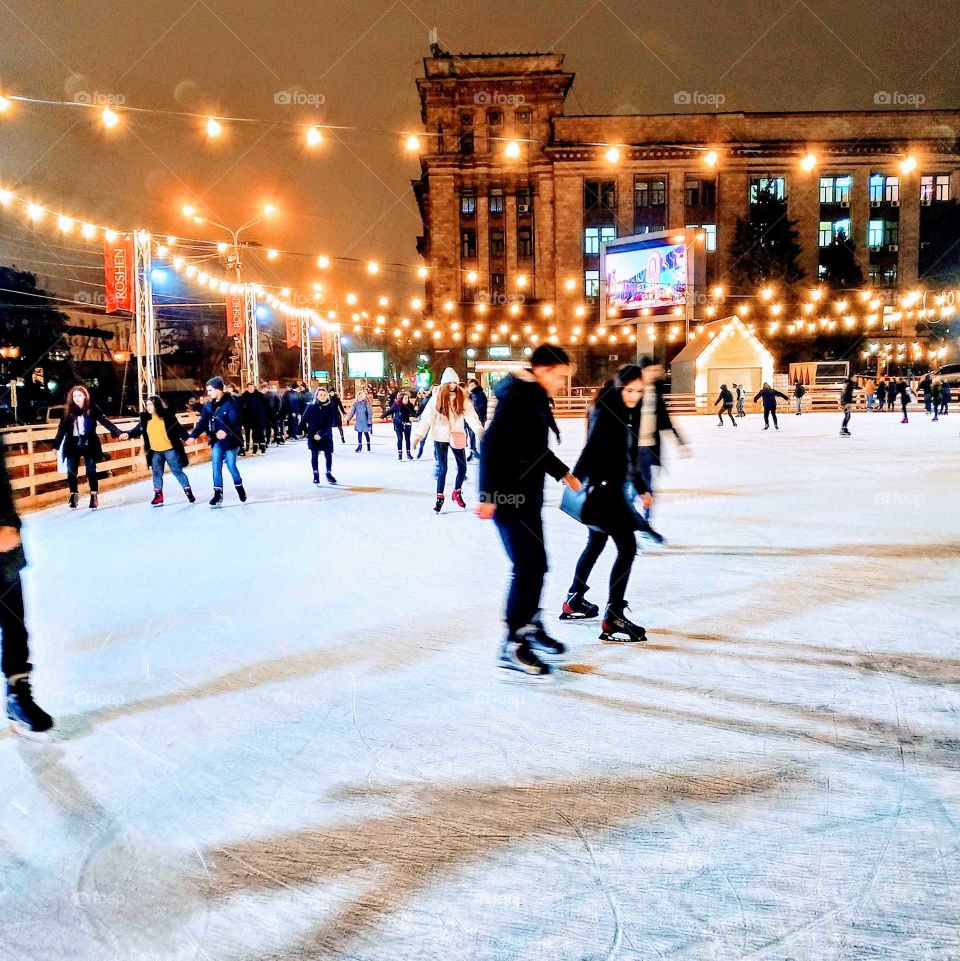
x=163 y=437
x=220 y=420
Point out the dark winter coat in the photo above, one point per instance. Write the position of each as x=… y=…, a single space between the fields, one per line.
x=725 y=398
x=175 y=431
x=271 y=405
x=799 y=390
x=89 y=444
x=515 y=454
x=769 y=396
x=319 y=418
x=401 y=414
x=608 y=464
x=253 y=408
x=340 y=409
x=479 y=400
x=11 y=562
x=849 y=393
x=881 y=392
x=217 y=415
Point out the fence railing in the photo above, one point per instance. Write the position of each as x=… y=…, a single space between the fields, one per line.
x=37 y=480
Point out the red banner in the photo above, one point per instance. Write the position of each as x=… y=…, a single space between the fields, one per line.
x=293 y=332
x=118 y=266
x=235 y=315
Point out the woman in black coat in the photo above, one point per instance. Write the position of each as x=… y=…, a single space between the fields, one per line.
x=725 y=398
x=402 y=412
x=339 y=410
x=608 y=469
x=318 y=423
x=163 y=436
x=77 y=439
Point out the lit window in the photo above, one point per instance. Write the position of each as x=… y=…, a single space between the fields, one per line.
x=874 y=234
x=591 y=283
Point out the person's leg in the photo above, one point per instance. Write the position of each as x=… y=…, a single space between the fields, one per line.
x=398 y=429
x=73 y=469
x=216 y=463
x=846 y=417
x=92 y=480
x=522 y=536
x=440 y=450
x=173 y=462
x=460 y=457
x=773 y=414
x=156 y=467
x=646 y=463
x=766 y=418
x=369 y=435
x=16 y=652
x=596 y=540
x=407 y=431
x=231 y=460
x=720 y=415
x=626 y=543
x=328 y=456
x=730 y=415
x=315 y=460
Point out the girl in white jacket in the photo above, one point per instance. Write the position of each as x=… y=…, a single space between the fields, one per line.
x=447 y=413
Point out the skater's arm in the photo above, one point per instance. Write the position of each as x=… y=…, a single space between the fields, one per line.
x=203 y=422
x=107 y=426
x=757 y=396
x=778 y=394
x=470 y=416
x=425 y=422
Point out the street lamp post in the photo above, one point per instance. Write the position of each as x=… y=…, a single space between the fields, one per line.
x=250 y=350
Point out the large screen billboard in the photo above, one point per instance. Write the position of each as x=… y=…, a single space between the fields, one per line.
x=363 y=364
x=651 y=274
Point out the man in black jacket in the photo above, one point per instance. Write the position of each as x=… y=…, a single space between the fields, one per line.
x=254 y=413
x=24 y=714
x=769 y=396
x=479 y=400
x=220 y=420
x=847 y=401
x=515 y=457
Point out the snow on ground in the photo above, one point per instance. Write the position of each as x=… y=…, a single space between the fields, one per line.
x=283 y=735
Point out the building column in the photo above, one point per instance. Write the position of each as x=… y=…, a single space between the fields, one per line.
x=625 y=205
x=732 y=202
x=444 y=240
x=676 y=210
x=908 y=268
x=803 y=206
x=510 y=242
x=860 y=216
x=568 y=234
x=545 y=261
x=483 y=242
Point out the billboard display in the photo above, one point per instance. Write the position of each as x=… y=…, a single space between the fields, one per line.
x=646 y=274
x=363 y=364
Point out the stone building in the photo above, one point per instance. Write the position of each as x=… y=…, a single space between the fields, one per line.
x=513 y=242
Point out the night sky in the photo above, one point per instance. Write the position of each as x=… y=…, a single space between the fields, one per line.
x=352 y=197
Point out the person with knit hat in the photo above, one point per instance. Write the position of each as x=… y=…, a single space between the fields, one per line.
x=447 y=415
x=221 y=421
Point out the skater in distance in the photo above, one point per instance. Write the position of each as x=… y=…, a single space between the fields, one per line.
x=769 y=397
x=726 y=400
x=220 y=420
x=318 y=423
x=163 y=439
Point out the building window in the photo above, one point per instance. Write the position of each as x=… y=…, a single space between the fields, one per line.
x=498 y=286
x=934 y=189
x=881 y=233
x=524 y=201
x=884 y=190
x=591 y=284
x=468 y=244
x=468 y=204
x=883 y=276
x=496 y=200
x=700 y=193
x=650 y=193
x=774 y=186
x=523 y=116
x=496 y=243
x=525 y=242
x=836 y=189
x=594 y=237
x=466 y=143
x=599 y=195
x=710 y=237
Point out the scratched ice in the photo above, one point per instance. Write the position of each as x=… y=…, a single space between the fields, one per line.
x=283 y=735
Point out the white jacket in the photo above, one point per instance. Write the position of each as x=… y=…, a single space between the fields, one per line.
x=442 y=427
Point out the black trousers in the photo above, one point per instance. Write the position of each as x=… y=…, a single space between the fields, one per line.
x=16 y=653
x=73 y=469
x=522 y=534
x=253 y=436
x=327 y=448
x=626 y=543
x=403 y=434
x=767 y=414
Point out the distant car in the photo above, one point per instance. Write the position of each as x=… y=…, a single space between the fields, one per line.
x=949 y=374
x=55 y=414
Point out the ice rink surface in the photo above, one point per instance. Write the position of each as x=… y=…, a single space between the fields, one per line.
x=283 y=736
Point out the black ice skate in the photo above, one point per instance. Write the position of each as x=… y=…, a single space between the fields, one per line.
x=217 y=499
x=536 y=636
x=316 y=477
x=577 y=608
x=615 y=626
x=190 y=495
x=241 y=493
x=439 y=504
x=74 y=501
x=94 y=502
x=516 y=655
x=25 y=716
x=330 y=478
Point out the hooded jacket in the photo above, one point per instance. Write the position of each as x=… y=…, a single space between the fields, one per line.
x=515 y=454
x=217 y=415
x=769 y=397
x=320 y=417
x=362 y=411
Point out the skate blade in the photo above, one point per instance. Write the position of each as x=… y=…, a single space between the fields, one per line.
x=579 y=617
x=513 y=675
x=609 y=637
x=28 y=734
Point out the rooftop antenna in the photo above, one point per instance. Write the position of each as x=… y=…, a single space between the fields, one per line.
x=435 y=49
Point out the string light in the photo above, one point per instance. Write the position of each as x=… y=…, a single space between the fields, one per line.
x=314 y=137
x=110 y=118
x=512 y=150
x=373 y=267
x=272 y=254
x=710 y=158
x=809 y=161
x=612 y=155
x=5 y=104
x=413 y=143
x=214 y=128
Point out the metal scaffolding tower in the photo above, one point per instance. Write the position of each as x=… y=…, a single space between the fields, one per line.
x=145 y=321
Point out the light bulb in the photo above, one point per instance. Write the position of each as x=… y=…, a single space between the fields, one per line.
x=314 y=137
x=512 y=150
x=214 y=127
x=413 y=143
x=110 y=118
